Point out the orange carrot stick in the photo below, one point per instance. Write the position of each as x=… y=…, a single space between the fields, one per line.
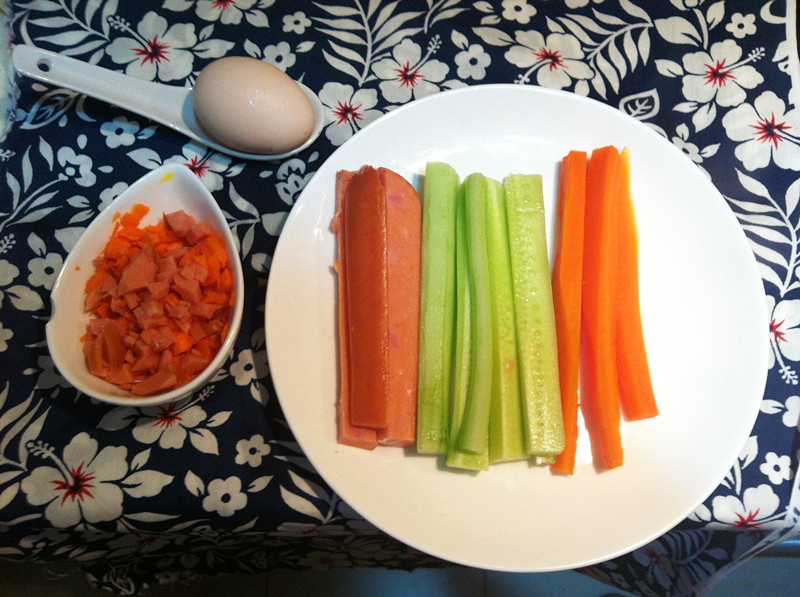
x=364 y=220
x=404 y=242
x=567 y=282
x=347 y=434
x=636 y=388
x=600 y=404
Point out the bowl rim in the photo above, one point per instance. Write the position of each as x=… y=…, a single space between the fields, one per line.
x=100 y=226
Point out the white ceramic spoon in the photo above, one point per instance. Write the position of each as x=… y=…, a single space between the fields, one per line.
x=169 y=105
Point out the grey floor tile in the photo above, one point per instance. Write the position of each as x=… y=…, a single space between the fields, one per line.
x=59 y=579
x=758 y=577
x=63 y=579
x=369 y=582
x=546 y=584
x=776 y=577
x=236 y=585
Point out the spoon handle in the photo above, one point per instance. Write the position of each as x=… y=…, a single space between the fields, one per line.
x=162 y=103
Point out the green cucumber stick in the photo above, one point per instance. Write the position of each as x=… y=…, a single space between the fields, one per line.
x=462 y=350
x=533 y=306
x=474 y=433
x=437 y=305
x=506 y=439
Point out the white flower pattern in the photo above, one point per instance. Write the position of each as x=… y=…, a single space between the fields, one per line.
x=168 y=425
x=225 y=496
x=347 y=110
x=230 y=12
x=120 y=132
x=84 y=487
x=766 y=132
x=252 y=451
x=94 y=483
x=156 y=50
x=408 y=74
x=719 y=75
x=557 y=60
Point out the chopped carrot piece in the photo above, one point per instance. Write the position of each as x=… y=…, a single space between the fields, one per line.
x=567 y=283
x=152 y=303
x=183 y=343
x=113 y=345
x=135 y=215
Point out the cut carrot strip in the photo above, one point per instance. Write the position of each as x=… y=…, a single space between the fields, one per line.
x=636 y=388
x=567 y=282
x=404 y=238
x=600 y=404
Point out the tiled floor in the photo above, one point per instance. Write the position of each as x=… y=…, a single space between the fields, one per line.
x=763 y=576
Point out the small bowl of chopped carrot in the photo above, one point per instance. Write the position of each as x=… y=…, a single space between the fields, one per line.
x=149 y=302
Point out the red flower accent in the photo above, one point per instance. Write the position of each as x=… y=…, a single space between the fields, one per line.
x=768 y=130
x=746 y=521
x=551 y=56
x=167 y=417
x=223 y=4
x=407 y=76
x=775 y=330
x=716 y=75
x=198 y=165
x=651 y=554
x=155 y=51
x=347 y=112
x=77 y=487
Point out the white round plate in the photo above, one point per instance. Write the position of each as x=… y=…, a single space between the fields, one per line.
x=705 y=324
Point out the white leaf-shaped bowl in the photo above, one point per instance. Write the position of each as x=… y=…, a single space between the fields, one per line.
x=164 y=190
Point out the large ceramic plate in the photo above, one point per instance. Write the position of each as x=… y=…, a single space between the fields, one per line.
x=705 y=326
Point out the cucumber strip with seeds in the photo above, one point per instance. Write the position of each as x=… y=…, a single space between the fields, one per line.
x=437 y=305
x=506 y=441
x=533 y=305
x=462 y=351
x=473 y=436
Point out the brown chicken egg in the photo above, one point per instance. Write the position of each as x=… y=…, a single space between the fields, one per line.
x=252 y=106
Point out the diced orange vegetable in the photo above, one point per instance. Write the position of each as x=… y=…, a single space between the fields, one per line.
x=160 y=298
x=135 y=215
x=567 y=293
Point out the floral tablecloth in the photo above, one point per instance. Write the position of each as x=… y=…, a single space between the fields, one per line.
x=217 y=483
